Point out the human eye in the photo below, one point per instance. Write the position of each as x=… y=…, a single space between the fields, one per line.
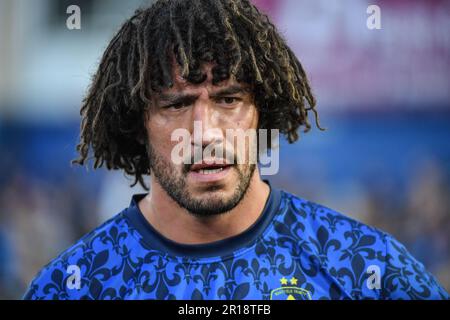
x=228 y=100
x=176 y=106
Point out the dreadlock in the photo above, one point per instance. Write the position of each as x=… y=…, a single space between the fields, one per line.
x=136 y=65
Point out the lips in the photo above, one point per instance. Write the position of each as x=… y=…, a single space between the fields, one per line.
x=209 y=167
x=211 y=173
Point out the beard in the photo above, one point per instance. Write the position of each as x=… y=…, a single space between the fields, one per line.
x=175 y=185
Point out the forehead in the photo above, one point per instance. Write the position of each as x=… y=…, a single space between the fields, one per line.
x=182 y=84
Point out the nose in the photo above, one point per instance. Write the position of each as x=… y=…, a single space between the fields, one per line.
x=205 y=124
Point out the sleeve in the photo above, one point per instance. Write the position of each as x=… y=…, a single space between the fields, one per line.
x=406 y=278
x=49 y=284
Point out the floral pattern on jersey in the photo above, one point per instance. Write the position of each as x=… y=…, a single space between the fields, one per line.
x=307 y=248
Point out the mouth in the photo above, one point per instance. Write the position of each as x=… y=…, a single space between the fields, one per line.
x=209 y=172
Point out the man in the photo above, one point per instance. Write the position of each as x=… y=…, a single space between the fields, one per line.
x=213 y=229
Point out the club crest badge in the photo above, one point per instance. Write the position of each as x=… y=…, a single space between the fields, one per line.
x=289 y=291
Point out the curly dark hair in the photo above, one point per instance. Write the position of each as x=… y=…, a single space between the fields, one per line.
x=233 y=34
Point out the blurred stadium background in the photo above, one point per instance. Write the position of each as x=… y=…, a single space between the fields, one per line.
x=384 y=96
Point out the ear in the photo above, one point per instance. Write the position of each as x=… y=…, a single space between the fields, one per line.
x=142 y=137
x=141 y=140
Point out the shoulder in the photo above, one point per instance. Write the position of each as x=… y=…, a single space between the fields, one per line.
x=365 y=261
x=323 y=224
x=90 y=258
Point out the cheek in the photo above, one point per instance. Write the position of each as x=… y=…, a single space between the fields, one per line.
x=157 y=122
x=246 y=150
x=159 y=135
x=248 y=118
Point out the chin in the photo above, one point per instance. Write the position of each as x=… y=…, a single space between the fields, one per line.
x=212 y=193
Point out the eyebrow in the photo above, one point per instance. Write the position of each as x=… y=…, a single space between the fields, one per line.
x=233 y=89
x=181 y=97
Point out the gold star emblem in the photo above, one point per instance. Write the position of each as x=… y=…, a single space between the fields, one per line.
x=283 y=280
x=293 y=281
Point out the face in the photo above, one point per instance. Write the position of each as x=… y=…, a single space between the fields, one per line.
x=212 y=185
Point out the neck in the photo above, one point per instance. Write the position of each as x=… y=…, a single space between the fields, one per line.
x=178 y=225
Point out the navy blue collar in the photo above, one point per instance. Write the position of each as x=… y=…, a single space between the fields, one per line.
x=224 y=247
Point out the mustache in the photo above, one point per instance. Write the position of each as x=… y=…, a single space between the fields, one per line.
x=186 y=167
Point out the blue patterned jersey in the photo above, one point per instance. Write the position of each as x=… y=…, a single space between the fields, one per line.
x=296 y=249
